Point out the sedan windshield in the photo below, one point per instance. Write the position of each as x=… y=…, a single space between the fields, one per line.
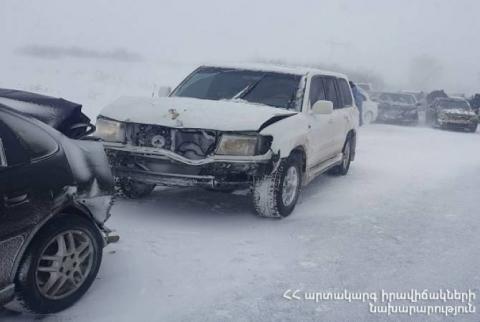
x=268 y=88
x=398 y=98
x=451 y=104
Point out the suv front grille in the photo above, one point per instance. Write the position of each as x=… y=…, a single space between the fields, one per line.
x=191 y=143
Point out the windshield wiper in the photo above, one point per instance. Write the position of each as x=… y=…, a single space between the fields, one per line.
x=250 y=87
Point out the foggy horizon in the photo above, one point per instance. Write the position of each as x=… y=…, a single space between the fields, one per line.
x=407 y=44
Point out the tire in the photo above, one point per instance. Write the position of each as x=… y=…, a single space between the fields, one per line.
x=342 y=169
x=73 y=272
x=134 y=189
x=368 y=119
x=276 y=195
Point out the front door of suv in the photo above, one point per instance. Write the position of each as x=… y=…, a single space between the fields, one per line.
x=338 y=118
x=320 y=125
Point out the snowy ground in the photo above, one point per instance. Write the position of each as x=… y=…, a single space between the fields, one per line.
x=405 y=217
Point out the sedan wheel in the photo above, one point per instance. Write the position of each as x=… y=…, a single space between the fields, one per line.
x=64 y=264
x=59 y=266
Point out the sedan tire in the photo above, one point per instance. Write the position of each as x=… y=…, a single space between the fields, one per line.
x=59 y=266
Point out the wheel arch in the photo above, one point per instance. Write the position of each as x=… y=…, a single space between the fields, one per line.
x=70 y=209
x=300 y=152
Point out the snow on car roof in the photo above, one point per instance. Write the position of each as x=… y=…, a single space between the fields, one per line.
x=278 y=69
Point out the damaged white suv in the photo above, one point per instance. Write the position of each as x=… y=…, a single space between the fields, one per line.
x=271 y=129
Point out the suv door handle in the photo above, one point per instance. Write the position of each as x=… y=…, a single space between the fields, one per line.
x=15 y=201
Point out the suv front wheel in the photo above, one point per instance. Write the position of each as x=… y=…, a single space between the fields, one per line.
x=276 y=195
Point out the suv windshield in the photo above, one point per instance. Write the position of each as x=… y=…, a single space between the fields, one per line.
x=449 y=104
x=269 y=88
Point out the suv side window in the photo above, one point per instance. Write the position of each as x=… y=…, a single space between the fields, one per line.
x=38 y=142
x=331 y=92
x=317 y=91
x=345 y=91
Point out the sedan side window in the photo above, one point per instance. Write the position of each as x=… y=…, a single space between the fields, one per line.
x=38 y=142
x=3 y=157
x=14 y=153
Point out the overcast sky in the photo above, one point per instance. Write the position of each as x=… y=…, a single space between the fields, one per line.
x=392 y=38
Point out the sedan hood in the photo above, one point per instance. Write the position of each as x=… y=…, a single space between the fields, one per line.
x=181 y=112
x=458 y=111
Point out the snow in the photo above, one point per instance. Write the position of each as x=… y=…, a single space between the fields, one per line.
x=406 y=216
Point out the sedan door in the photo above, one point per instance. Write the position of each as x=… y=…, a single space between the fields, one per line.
x=30 y=179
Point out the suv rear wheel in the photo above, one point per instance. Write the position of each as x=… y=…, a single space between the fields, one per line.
x=276 y=195
x=59 y=266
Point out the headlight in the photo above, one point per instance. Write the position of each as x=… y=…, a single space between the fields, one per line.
x=243 y=145
x=237 y=145
x=110 y=131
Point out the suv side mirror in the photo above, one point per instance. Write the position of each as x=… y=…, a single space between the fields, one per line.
x=164 y=91
x=322 y=107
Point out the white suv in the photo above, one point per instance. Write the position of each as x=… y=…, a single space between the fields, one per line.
x=271 y=129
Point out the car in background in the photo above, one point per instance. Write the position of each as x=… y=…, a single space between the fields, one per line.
x=370 y=108
x=55 y=196
x=452 y=113
x=365 y=86
x=397 y=108
x=270 y=129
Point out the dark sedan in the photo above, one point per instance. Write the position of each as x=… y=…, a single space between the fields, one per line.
x=55 y=196
x=397 y=108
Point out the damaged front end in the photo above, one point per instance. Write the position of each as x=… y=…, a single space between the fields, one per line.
x=160 y=155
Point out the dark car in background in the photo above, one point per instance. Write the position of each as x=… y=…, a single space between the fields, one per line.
x=398 y=108
x=452 y=113
x=55 y=196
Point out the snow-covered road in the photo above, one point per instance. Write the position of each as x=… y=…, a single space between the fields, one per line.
x=406 y=216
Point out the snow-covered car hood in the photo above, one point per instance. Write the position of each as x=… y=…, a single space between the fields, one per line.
x=181 y=112
x=458 y=111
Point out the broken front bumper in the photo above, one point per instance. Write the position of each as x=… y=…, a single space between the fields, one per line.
x=163 y=167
